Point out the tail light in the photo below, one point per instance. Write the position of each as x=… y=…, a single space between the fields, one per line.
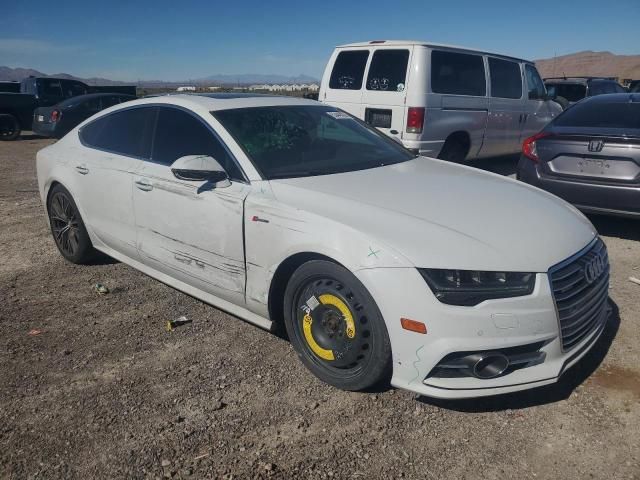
x=55 y=115
x=529 y=148
x=415 y=119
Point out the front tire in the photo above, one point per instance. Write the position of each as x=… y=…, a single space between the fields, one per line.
x=9 y=127
x=335 y=327
x=67 y=227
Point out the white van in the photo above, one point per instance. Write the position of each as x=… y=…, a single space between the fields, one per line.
x=441 y=101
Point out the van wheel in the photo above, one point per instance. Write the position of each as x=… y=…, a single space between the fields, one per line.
x=9 y=127
x=335 y=327
x=67 y=227
x=563 y=102
x=455 y=149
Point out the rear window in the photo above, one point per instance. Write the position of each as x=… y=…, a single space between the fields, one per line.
x=596 y=114
x=602 y=88
x=348 y=70
x=127 y=132
x=457 y=73
x=388 y=70
x=506 y=79
x=51 y=88
x=571 y=91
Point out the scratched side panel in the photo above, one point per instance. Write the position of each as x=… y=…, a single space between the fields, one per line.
x=275 y=231
x=192 y=232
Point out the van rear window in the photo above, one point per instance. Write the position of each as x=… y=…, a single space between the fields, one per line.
x=388 y=70
x=457 y=73
x=348 y=70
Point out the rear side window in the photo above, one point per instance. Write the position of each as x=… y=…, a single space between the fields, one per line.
x=348 y=70
x=127 y=132
x=506 y=79
x=51 y=88
x=388 y=70
x=457 y=73
x=596 y=114
x=179 y=134
x=571 y=91
x=73 y=89
x=536 y=90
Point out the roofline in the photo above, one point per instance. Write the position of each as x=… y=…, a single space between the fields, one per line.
x=377 y=43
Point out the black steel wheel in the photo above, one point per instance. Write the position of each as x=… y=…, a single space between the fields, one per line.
x=67 y=227
x=336 y=327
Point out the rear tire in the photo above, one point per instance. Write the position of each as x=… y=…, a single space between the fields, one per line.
x=67 y=227
x=455 y=150
x=563 y=102
x=9 y=127
x=343 y=339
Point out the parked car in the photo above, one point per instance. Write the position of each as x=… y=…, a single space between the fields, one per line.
x=60 y=119
x=378 y=262
x=590 y=155
x=440 y=101
x=16 y=109
x=569 y=90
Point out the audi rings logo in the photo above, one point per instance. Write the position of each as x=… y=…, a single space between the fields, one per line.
x=594 y=268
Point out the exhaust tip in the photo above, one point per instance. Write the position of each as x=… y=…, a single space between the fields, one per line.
x=490 y=365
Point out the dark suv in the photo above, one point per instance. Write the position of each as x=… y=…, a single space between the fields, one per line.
x=569 y=90
x=589 y=155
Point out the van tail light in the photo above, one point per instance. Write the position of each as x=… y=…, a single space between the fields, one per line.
x=415 y=119
x=529 y=148
x=55 y=115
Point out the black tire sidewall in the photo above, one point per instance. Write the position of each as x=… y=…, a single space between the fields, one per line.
x=378 y=367
x=85 y=249
x=7 y=117
x=453 y=151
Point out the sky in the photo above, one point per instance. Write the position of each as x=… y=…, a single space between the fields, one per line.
x=181 y=40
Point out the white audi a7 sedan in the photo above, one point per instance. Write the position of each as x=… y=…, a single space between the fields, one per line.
x=381 y=265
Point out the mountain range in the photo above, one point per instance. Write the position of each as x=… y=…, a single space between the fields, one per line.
x=587 y=63
x=593 y=64
x=17 y=74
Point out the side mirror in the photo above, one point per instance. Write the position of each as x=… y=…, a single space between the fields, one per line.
x=200 y=168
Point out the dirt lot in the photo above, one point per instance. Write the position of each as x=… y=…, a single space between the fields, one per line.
x=104 y=391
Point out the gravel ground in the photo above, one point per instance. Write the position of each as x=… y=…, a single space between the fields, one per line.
x=93 y=386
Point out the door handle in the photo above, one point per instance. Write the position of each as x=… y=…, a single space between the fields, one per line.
x=144 y=184
x=82 y=169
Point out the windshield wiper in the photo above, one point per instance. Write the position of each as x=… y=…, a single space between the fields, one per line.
x=298 y=173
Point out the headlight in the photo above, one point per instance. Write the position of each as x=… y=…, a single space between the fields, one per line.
x=469 y=287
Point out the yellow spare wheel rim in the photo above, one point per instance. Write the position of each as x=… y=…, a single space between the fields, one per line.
x=328 y=315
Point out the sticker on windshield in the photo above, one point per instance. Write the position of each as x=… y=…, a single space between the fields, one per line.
x=339 y=115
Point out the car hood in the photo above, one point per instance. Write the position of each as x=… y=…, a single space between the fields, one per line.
x=441 y=215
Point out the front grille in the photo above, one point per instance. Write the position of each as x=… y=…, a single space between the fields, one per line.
x=580 y=289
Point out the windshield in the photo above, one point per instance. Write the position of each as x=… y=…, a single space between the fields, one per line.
x=573 y=92
x=299 y=141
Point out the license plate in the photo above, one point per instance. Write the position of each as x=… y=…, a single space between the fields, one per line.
x=589 y=166
x=41 y=118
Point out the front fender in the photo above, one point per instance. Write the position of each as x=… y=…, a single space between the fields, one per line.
x=274 y=233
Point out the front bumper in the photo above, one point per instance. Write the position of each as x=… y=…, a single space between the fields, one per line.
x=612 y=199
x=489 y=326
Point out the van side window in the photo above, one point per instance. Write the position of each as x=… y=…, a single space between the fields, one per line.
x=506 y=79
x=348 y=70
x=388 y=70
x=457 y=74
x=534 y=83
